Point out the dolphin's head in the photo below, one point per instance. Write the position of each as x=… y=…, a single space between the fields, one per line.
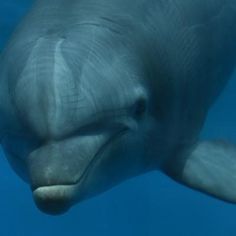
x=85 y=120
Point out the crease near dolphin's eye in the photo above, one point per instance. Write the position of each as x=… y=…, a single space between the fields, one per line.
x=139 y=108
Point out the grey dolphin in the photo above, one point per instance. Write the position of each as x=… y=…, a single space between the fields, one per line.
x=95 y=92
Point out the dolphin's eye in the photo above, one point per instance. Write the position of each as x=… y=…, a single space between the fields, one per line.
x=140 y=107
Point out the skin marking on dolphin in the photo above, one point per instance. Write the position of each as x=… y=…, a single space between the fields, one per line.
x=95 y=92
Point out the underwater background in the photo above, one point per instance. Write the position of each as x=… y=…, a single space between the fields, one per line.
x=148 y=205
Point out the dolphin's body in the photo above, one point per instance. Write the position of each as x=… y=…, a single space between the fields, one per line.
x=95 y=92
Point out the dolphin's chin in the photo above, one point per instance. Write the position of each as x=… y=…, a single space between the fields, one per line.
x=54 y=200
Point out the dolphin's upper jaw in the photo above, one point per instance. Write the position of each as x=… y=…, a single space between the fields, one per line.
x=57 y=197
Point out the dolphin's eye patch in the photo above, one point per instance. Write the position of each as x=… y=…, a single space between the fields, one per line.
x=140 y=108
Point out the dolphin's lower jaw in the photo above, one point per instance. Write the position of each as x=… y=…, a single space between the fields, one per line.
x=54 y=199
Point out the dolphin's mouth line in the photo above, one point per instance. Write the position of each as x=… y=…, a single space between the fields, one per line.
x=91 y=163
x=99 y=152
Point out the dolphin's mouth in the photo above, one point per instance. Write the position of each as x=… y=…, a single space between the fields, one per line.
x=57 y=199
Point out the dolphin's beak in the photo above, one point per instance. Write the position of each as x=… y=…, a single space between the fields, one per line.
x=55 y=199
x=57 y=170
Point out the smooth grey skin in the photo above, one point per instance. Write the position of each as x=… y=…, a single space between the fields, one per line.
x=95 y=92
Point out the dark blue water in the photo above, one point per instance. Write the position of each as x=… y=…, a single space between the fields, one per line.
x=145 y=206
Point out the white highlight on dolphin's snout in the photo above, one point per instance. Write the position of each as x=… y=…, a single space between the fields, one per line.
x=55 y=199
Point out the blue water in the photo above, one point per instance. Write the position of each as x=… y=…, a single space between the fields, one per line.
x=145 y=206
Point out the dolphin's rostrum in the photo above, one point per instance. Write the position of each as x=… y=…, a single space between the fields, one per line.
x=95 y=92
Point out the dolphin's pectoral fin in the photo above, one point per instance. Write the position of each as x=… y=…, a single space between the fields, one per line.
x=210 y=167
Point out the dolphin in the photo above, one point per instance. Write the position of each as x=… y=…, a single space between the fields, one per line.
x=93 y=93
